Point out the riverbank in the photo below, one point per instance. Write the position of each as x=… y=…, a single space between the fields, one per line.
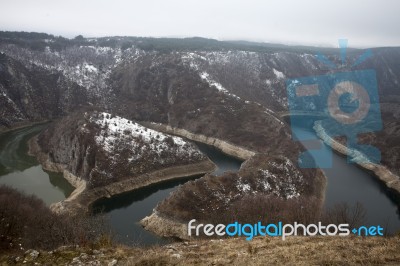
x=230 y=149
x=382 y=173
x=82 y=198
x=164 y=226
x=23 y=124
x=167 y=226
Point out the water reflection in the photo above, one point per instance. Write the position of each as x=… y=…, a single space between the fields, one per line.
x=126 y=199
x=351 y=184
x=125 y=211
x=23 y=172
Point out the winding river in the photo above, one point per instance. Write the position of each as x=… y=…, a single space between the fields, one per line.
x=23 y=172
x=126 y=210
x=346 y=183
x=351 y=184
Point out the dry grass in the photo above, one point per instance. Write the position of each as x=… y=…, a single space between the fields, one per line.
x=274 y=251
x=238 y=251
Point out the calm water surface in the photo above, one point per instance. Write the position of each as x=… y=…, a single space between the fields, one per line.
x=21 y=171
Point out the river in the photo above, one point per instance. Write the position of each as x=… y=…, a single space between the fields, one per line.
x=125 y=211
x=23 y=172
x=346 y=183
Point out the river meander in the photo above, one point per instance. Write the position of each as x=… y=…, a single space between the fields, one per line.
x=346 y=183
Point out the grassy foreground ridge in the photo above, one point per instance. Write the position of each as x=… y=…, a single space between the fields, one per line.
x=237 y=251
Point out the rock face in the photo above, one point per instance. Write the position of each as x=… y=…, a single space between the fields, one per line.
x=103 y=155
x=102 y=148
x=34 y=94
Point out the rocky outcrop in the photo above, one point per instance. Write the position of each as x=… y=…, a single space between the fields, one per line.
x=164 y=226
x=49 y=165
x=102 y=148
x=102 y=155
x=381 y=172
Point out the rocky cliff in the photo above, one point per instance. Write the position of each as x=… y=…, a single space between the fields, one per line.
x=103 y=155
x=30 y=93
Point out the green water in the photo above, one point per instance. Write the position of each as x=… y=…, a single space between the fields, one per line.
x=23 y=172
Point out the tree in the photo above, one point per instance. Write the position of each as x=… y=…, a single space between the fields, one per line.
x=79 y=38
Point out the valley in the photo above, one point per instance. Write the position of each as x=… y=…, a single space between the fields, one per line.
x=156 y=132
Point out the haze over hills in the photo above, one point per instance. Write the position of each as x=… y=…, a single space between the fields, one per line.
x=95 y=71
x=108 y=93
x=199 y=84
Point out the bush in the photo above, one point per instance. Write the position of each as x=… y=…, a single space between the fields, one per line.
x=26 y=222
x=269 y=209
x=344 y=213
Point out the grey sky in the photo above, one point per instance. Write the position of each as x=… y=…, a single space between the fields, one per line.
x=318 y=22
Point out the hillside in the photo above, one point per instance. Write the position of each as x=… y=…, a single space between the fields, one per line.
x=29 y=93
x=116 y=101
x=219 y=89
x=101 y=153
x=265 y=186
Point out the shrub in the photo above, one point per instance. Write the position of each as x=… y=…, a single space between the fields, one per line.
x=26 y=222
x=344 y=213
x=269 y=209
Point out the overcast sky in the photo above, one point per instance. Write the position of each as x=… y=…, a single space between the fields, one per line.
x=364 y=23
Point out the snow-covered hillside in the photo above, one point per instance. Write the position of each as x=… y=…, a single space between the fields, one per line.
x=117 y=133
x=276 y=177
x=88 y=66
x=250 y=75
x=102 y=148
x=261 y=176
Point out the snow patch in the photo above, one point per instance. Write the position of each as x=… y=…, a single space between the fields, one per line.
x=278 y=74
x=205 y=76
x=242 y=187
x=116 y=130
x=90 y=68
